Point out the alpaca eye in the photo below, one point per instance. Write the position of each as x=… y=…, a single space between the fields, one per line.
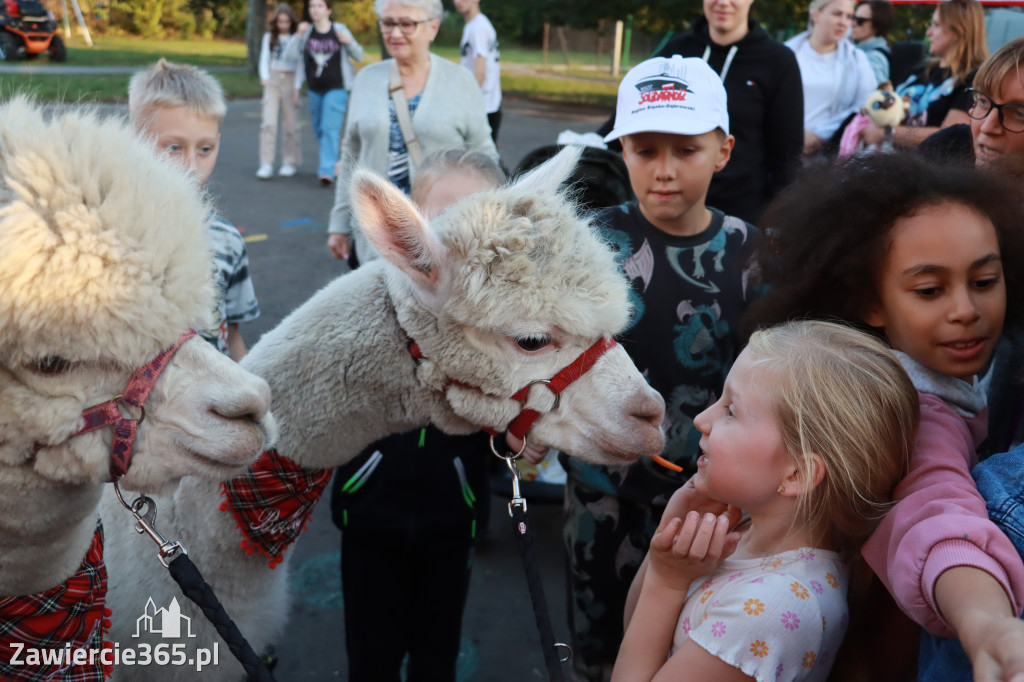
x=533 y=343
x=51 y=364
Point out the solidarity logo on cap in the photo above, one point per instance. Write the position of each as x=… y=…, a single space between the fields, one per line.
x=670 y=95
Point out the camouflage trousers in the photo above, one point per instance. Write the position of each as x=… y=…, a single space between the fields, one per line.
x=605 y=540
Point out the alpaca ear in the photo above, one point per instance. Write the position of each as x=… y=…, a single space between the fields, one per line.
x=396 y=229
x=552 y=173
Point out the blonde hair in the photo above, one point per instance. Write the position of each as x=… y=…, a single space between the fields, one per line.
x=966 y=19
x=841 y=394
x=996 y=68
x=166 y=84
x=816 y=6
x=447 y=161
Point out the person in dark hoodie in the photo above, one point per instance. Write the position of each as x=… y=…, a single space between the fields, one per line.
x=766 y=104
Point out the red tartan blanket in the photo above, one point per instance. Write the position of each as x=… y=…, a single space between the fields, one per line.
x=39 y=633
x=272 y=502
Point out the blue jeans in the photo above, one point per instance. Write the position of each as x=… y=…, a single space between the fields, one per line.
x=327 y=109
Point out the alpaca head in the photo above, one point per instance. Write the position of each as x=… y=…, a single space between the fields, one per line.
x=104 y=263
x=507 y=287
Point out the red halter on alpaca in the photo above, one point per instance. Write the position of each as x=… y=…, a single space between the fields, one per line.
x=519 y=426
x=135 y=393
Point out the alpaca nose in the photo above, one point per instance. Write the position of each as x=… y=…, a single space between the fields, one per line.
x=647 y=406
x=252 y=404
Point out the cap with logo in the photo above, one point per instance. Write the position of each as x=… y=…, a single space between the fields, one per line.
x=670 y=95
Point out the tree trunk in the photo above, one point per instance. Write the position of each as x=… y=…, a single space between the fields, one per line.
x=255 y=27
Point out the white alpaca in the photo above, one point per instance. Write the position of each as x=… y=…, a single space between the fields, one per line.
x=507 y=287
x=102 y=266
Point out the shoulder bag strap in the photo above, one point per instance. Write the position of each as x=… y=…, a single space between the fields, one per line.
x=397 y=92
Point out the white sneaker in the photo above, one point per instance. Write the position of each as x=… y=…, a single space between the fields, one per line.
x=265 y=172
x=287 y=171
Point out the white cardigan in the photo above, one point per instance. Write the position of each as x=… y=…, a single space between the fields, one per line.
x=854 y=81
x=450 y=114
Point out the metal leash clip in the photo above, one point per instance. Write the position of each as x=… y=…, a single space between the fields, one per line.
x=510 y=461
x=146 y=523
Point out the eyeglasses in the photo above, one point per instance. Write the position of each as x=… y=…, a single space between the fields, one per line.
x=860 y=21
x=1011 y=115
x=406 y=26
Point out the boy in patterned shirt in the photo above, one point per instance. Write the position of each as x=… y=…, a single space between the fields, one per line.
x=683 y=260
x=180 y=108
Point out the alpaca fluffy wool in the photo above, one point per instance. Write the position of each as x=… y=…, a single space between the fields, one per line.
x=88 y=249
x=498 y=266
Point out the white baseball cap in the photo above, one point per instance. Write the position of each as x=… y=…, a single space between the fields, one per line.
x=670 y=95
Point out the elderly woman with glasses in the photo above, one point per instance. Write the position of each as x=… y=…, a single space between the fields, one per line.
x=445 y=107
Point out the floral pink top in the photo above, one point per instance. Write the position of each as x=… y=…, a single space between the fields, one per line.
x=781 y=617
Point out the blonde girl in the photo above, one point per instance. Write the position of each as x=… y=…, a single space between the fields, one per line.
x=813 y=429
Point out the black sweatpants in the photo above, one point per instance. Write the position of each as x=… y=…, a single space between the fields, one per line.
x=400 y=601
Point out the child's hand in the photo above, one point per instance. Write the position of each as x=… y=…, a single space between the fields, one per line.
x=1000 y=654
x=682 y=550
x=303 y=27
x=687 y=498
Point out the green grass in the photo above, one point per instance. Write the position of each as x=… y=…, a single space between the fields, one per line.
x=578 y=83
x=108 y=88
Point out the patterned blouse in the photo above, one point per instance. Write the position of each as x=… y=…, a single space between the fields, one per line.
x=780 y=617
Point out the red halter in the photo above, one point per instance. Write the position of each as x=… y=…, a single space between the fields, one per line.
x=521 y=424
x=135 y=393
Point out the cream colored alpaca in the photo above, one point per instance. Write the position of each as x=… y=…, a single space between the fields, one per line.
x=506 y=287
x=102 y=266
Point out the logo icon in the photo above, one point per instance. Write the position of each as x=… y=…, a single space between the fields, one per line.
x=666 y=86
x=164 y=622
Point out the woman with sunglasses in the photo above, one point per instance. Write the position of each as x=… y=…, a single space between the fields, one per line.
x=871 y=23
x=939 y=93
x=444 y=104
x=328 y=50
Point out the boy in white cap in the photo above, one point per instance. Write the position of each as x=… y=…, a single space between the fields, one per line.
x=684 y=261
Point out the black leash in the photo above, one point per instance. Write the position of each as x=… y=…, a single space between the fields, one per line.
x=174 y=557
x=521 y=529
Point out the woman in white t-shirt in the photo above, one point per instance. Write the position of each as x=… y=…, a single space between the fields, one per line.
x=837 y=77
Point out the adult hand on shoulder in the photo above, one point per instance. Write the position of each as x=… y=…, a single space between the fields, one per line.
x=685 y=549
x=338 y=244
x=303 y=27
x=343 y=37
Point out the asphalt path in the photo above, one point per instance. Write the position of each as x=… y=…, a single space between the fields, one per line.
x=284 y=222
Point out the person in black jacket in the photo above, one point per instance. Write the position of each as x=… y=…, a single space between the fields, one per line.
x=766 y=104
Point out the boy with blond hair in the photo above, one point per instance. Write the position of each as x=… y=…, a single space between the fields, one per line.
x=683 y=260
x=180 y=108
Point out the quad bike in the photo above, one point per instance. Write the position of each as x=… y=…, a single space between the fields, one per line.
x=27 y=30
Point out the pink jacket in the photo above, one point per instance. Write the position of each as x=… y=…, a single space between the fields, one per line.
x=939 y=520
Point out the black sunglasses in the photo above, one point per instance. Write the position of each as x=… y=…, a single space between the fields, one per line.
x=860 y=21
